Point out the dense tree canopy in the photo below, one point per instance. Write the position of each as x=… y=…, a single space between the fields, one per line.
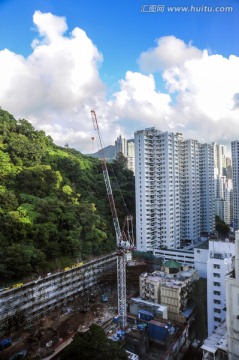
x=93 y=344
x=53 y=203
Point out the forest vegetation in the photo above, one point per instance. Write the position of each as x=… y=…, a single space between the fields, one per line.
x=54 y=209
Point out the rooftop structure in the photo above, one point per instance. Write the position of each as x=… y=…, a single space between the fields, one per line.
x=215 y=346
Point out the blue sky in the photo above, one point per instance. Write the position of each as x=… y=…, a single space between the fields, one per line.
x=119 y=74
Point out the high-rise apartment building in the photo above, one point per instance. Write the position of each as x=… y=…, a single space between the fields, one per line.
x=235 y=182
x=157 y=189
x=174 y=189
x=223 y=184
x=126 y=147
x=121 y=146
x=219 y=265
x=206 y=174
x=190 y=197
x=219 y=159
x=131 y=155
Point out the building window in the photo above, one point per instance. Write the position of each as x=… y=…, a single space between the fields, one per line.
x=216 y=283
x=216 y=266
x=218 y=256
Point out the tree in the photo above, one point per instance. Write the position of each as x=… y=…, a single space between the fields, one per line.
x=23 y=150
x=120 y=162
x=221 y=227
x=8 y=200
x=20 y=259
x=93 y=344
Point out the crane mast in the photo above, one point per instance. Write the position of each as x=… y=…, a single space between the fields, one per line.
x=123 y=245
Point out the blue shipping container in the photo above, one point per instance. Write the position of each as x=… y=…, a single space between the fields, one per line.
x=158 y=332
x=145 y=315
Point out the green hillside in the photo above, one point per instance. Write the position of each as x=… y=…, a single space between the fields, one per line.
x=53 y=204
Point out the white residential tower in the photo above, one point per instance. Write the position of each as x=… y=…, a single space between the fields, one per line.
x=174 y=189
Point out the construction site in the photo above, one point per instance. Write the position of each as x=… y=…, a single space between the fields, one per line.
x=148 y=335
x=43 y=329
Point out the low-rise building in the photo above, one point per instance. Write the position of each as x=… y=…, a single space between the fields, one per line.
x=171 y=287
x=165 y=339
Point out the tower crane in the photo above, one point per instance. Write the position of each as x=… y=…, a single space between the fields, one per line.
x=124 y=242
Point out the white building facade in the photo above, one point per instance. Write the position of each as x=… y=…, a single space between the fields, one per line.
x=219 y=159
x=228 y=202
x=235 y=182
x=131 y=155
x=232 y=299
x=157 y=190
x=174 y=189
x=206 y=170
x=219 y=265
x=223 y=343
x=190 y=197
x=223 y=184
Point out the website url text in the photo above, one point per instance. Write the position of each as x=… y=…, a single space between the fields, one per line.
x=190 y=9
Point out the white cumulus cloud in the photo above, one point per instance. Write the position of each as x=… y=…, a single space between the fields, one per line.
x=206 y=90
x=56 y=86
x=169 y=51
x=139 y=101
